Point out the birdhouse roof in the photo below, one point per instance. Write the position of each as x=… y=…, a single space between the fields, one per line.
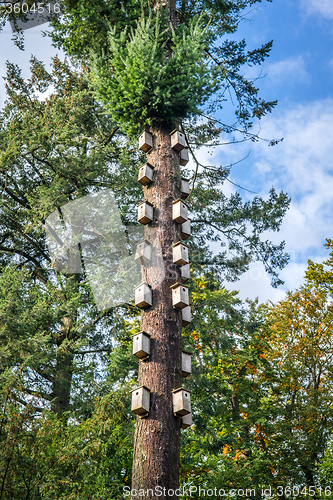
x=141 y=284
x=148 y=203
x=175 y=285
x=144 y=333
x=179 y=243
x=141 y=387
x=176 y=201
x=180 y=389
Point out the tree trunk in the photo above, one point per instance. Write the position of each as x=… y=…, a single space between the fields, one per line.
x=63 y=372
x=62 y=382
x=157 y=436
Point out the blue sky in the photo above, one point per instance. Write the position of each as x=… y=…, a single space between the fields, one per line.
x=299 y=73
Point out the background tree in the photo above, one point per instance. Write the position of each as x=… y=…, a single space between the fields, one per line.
x=46 y=457
x=319 y=274
x=261 y=389
x=54 y=341
x=230 y=386
x=301 y=355
x=52 y=151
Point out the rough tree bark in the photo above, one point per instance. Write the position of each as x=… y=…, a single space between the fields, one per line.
x=157 y=437
x=63 y=372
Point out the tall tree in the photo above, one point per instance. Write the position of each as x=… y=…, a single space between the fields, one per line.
x=157 y=75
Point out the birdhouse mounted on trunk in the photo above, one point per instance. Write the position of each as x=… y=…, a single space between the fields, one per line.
x=186 y=364
x=181 y=402
x=146 y=141
x=180 y=253
x=186 y=316
x=141 y=401
x=185 y=188
x=141 y=345
x=185 y=230
x=143 y=252
x=179 y=211
x=184 y=157
x=178 y=140
x=185 y=273
x=179 y=296
x=146 y=174
x=145 y=212
x=187 y=421
x=143 y=296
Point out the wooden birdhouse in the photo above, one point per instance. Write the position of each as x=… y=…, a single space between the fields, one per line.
x=146 y=141
x=181 y=402
x=141 y=401
x=179 y=211
x=185 y=188
x=185 y=273
x=179 y=296
x=186 y=316
x=184 y=157
x=143 y=296
x=180 y=253
x=146 y=173
x=143 y=252
x=187 y=421
x=186 y=364
x=145 y=212
x=185 y=230
x=178 y=140
x=141 y=345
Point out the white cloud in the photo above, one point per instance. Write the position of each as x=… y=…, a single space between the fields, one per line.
x=321 y=7
x=256 y=283
x=44 y=95
x=292 y=69
x=303 y=162
x=301 y=165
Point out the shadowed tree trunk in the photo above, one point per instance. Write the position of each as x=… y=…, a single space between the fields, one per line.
x=62 y=382
x=63 y=372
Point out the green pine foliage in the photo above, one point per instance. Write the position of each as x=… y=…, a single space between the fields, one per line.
x=195 y=66
x=154 y=75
